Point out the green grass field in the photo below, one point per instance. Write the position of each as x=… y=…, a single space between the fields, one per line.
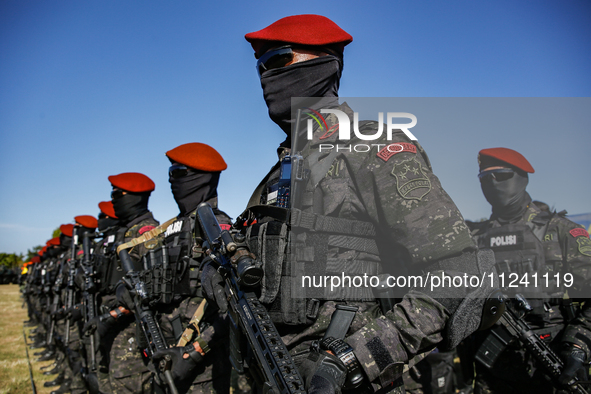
x=14 y=366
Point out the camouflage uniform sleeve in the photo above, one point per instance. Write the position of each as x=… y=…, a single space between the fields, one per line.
x=422 y=225
x=140 y=228
x=577 y=258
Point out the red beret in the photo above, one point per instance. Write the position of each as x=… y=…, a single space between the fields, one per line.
x=307 y=29
x=53 y=242
x=106 y=207
x=502 y=156
x=86 y=221
x=198 y=156
x=43 y=250
x=132 y=182
x=67 y=229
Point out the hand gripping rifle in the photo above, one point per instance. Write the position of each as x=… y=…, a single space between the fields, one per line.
x=145 y=318
x=273 y=368
x=513 y=326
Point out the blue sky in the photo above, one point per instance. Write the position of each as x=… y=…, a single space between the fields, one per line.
x=96 y=88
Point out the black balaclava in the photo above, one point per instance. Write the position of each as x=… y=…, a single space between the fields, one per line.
x=318 y=77
x=65 y=241
x=193 y=189
x=508 y=198
x=130 y=206
x=106 y=222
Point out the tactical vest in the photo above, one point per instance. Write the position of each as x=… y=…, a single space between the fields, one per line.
x=520 y=253
x=172 y=270
x=291 y=242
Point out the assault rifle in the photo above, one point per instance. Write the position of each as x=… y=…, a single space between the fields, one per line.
x=55 y=303
x=273 y=368
x=512 y=326
x=88 y=295
x=71 y=282
x=154 y=340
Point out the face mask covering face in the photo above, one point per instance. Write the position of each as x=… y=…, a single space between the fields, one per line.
x=193 y=189
x=106 y=223
x=130 y=206
x=317 y=77
x=508 y=198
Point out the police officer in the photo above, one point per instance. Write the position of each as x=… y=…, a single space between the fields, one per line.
x=528 y=240
x=192 y=327
x=128 y=371
x=107 y=275
x=357 y=215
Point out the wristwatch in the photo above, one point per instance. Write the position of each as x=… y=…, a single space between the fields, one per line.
x=344 y=352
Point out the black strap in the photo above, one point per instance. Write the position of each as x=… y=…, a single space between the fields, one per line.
x=177 y=327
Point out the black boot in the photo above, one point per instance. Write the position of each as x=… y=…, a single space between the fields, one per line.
x=64 y=388
x=55 y=382
x=39 y=344
x=55 y=370
x=49 y=355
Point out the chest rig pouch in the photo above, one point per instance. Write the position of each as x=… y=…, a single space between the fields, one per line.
x=169 y=269
x=108 y=272
x=293 y=242
x=520 y=253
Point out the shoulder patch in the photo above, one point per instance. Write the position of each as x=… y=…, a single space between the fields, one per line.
x=411 y=181
x=80 y=252
x=584 y=245
x=146 y=228
x=388 y=151
x=225 y=226
x=577 y=232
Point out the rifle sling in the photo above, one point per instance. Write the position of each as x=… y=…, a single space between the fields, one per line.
x=193 y=326
x=148 y=235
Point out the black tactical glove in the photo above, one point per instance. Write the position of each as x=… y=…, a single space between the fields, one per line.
x=323 y=373
x=213 y=284
x=59 y=313
x=574 y=359
x=124 y=298
x=102 y=324
x=75 y=312
x=184 y=361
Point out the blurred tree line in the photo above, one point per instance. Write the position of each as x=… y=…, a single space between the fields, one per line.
x=13 y=260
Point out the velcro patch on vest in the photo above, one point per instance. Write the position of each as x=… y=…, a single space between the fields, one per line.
x=411 y=181
x=380 y=353
x=388 y=151
x=507 y=241
x=174 y=228
x=577 y=232
x=145 y=228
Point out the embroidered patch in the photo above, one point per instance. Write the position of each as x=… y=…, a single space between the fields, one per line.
x=411 y=181
x=225 y=226
x=80 y=252
x=145 y=228
x=174 y=228
x=388 y=151
x=584 y=245
x=575 y=232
